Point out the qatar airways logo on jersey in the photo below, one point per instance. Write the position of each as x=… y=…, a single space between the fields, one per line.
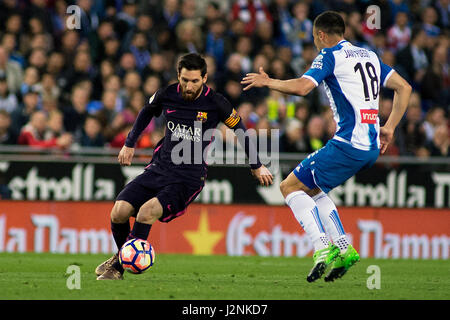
x=185 y=132
x=369 y=116
x=213 y=146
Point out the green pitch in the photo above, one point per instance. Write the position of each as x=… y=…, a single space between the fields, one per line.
x=43 y=276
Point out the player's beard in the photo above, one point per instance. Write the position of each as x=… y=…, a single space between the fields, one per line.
x=190 y=95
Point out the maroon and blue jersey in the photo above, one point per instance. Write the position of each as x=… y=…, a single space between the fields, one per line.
x=185 y=140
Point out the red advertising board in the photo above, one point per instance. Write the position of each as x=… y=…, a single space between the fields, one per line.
x=40 y=226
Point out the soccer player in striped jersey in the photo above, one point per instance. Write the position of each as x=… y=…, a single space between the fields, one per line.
x=352 y=77
x=172 y=181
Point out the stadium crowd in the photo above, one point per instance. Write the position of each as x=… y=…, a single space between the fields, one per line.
x=62 y=87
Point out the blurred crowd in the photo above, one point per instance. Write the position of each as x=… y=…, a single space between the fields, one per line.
x=62 y=87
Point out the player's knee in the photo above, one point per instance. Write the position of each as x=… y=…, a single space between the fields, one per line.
x=121 y=211
x=150 y=211
x=284 y=188
x=287 y=187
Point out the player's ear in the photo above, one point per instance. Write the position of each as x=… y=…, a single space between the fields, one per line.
x=205 y=78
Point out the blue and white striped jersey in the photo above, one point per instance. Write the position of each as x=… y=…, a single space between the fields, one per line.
x=352 y=77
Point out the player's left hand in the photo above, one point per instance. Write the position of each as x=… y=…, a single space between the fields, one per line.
x=255 y=79
x=263 y=175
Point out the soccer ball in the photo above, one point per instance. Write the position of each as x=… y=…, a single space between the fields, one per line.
x=136 y=255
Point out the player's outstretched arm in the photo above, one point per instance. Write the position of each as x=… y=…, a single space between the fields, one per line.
x=300 y=86
x=402 y=92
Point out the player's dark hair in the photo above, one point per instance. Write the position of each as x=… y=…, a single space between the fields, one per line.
x=192 y=61
x=330 y=22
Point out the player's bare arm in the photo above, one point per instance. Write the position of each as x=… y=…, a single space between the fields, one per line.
x=299 y=86
x=402 y=92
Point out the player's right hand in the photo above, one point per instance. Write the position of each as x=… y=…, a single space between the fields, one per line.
x=125 y=156
x=386 y=135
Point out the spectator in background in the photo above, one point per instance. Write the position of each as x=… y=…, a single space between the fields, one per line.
x=440 y=145
x=8 y=100
x=126 y=19
x=75 y=112
x=399 y=35
x=434 y=118
x=436 y=80
x=397 y=6
x=354 y=23
x=412 y=59
x=384 y=110
x=131 y=83
x=55 y=123
x=49 y=89
x=156 y=67
x=443 y=11
x=127 y=64
x=89 y=19
x=213 y=76
x=170 y=15
x=411 y=132
x=90 y=135
x=31 y=78
x=251 y=12
x=259 y=111
x=137 y=102
x=429 y=21
x=315 y=134
x=292 y=139
x=9 y=42
x=302 y=111
x=12 y=69
x=112 y=49
x=189 y=37
x=82 y=69
x=245 y=110
x=280 y=10
x=21 y=115
x=55 y=66
x=114 y=83
x=212 y=12
x=298 y=30
x=38 y=59
x=139 y=49
x=217 y=42
x=36 y=133
x=263 y=36
x=379 y=43
x=7 y=135
x=152 y=84
x=111 y=120
x=244 y=48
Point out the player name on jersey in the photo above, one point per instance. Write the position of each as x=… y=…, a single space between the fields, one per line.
x=359 y=53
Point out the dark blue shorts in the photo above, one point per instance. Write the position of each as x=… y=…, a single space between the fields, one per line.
x=173 y=196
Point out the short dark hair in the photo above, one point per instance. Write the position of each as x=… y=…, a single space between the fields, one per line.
x=330 y=22
x=192 y=61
